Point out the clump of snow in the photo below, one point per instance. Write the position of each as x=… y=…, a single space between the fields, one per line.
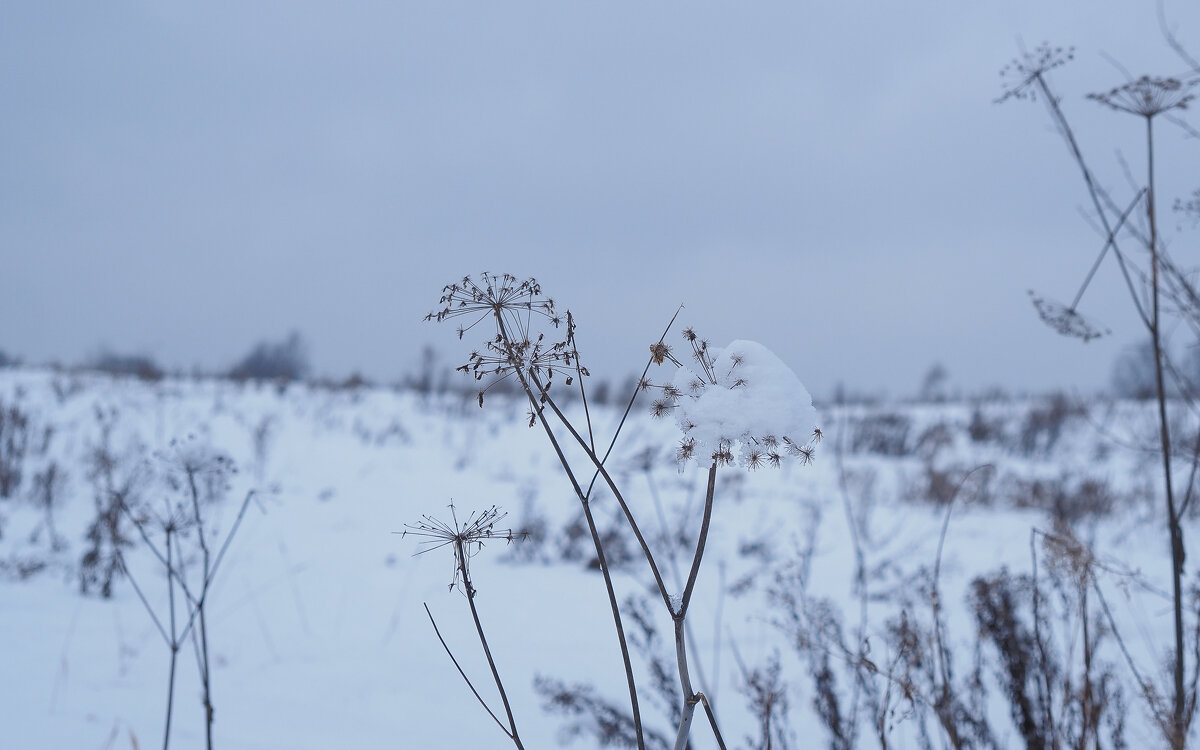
x=743 y=404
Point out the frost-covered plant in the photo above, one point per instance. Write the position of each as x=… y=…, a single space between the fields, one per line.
x=738 y=405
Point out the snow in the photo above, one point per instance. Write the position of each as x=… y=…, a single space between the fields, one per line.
x=317 y=626
x=746 y=400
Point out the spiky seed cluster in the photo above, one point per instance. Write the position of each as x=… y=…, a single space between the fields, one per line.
x=1066 y=320
x=1020 y=75
x=490 y=296
x=514 y=308
x=660 y=352
x=466 y=537
x=1148 y=96
x=721 y=373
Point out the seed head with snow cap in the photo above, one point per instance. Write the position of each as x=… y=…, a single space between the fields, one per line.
x=739 y=404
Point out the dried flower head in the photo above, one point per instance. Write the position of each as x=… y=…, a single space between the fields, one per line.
x=466 y=537
x=686 y=450
x=1148 y=96
x=661 y=407
x=1020 y=75
x=1066 y=320
x=738 y=405
x=514 y=309
x=660 y=352
x=492 y=295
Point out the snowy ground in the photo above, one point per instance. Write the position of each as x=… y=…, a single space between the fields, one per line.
x=317 y=629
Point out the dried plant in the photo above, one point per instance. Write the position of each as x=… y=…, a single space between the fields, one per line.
x=516 y=314
x=179 y=533
x=1023 y=76
x=1065 y=320
x=1148 y=96
x=467 y=538
x=702 y=400
x=1155 y=292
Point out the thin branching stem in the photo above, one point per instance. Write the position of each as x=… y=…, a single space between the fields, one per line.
x=612 y=486
x=237 y=522
x=470 y=589
x=632 y=400
x=1040 y=641
x=595 y=534
x=1109 y=243
x=174 y=644
x=1178 y=728
x=691 y=698
x=171 y=570
x=712 y=721
x=700 y=542
x=1147 y=689
x=941 y=653
x=145 y=603
x=677 y=577
x=860 y=574
x=1189 y=494
x=195 y=604
x=1094 y=189
x=466 y=679
x=206 y=568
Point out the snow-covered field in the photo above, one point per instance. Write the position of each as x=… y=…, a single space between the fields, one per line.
x=316 y=626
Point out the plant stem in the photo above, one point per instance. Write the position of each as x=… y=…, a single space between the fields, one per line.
x=678 y=580
x=206 y=569
x=700 y=542
x=1094 y=190
x=466 y=576
x=174 y=644
x=612 y=486
x=1173 y=527
x=207 y=682
x=690 y=697
x=519 y=368
x=463 y=674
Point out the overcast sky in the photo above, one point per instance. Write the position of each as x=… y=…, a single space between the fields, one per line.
x=832 y=179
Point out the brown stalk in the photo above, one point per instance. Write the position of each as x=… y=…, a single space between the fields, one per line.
x=595 y=534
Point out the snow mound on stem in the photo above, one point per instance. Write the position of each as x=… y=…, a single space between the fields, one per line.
x=747 y=402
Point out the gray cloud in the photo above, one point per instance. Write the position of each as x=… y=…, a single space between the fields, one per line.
x=832 y=179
